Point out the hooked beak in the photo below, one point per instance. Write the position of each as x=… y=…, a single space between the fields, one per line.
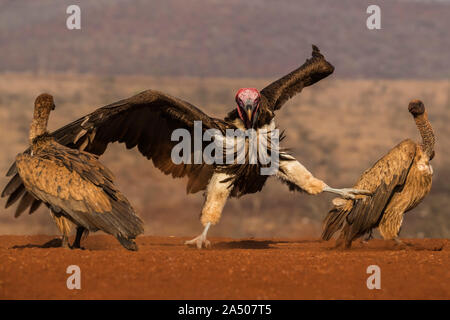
x=249 y=112
x=252 y=115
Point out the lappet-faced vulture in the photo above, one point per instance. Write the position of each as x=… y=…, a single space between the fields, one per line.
x=399 y=181
x=148 y=120
x=76 y=187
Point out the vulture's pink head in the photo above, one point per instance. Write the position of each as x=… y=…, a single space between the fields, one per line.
x=248 y=100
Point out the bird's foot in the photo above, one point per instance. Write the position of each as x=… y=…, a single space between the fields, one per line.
x=401 y=244
x=199 y=241
x=74 y=246
x=366 y=239
x=348 y=193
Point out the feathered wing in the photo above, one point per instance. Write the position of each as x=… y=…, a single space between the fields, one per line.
x=313 y=70
x=15 y=191
x=80 y=187
x=384 y=178
x=145 y=120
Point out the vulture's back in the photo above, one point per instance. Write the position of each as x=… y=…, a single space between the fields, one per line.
x=386 y=177
x=78 y=185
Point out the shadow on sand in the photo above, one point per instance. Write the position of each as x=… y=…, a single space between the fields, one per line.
x=385 y=245
x=245 y=244
x=54 y=243
x=257 y=244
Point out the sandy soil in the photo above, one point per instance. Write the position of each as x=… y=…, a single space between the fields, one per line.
x=164 y=268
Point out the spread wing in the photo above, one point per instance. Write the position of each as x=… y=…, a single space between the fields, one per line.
x=384 y=178
x=77 y=184
x=313 y=70
x=145 y=120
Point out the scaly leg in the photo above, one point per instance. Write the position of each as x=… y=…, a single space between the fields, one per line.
x=201 y=240
x=401 y=243
x=216 y=196
x=77 y=242
x=347 y=193
x=64 y=225
x=294 y=172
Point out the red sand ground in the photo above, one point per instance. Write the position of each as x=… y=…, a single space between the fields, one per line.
x=164 y=268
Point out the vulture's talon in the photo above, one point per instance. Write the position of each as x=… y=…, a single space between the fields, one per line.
x=356 y=192
x=199 y=242
x=361 y=192
x=77 y=248
x=348 y=193
x=402 y=244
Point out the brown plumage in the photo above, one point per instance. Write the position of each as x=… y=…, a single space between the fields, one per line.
x=75 y=186
x=147 y=121
x=399 y=181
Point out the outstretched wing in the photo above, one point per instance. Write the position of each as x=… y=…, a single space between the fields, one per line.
x=77 y=184
x=313 y=70
x=383 y=179
x=145 y=120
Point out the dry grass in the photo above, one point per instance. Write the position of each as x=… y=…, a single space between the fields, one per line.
x=337 y=129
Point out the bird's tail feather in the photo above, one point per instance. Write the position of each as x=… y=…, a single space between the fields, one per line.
x=129 y=244
x=121 y=222
x=335 y=218
x=128 y=223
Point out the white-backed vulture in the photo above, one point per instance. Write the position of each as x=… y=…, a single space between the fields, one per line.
x=399 y=181
x=147 y=120
x=75 y=186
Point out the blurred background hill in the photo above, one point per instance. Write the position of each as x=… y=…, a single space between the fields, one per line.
x=230 y=38
x=202 y=52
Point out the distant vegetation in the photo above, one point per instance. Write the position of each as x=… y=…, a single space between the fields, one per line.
x=226 y=38
x=337 y=129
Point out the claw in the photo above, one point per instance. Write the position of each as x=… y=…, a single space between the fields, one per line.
x=201 y=240
x=359 y=192
x=348 y=193
x=401 y=243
